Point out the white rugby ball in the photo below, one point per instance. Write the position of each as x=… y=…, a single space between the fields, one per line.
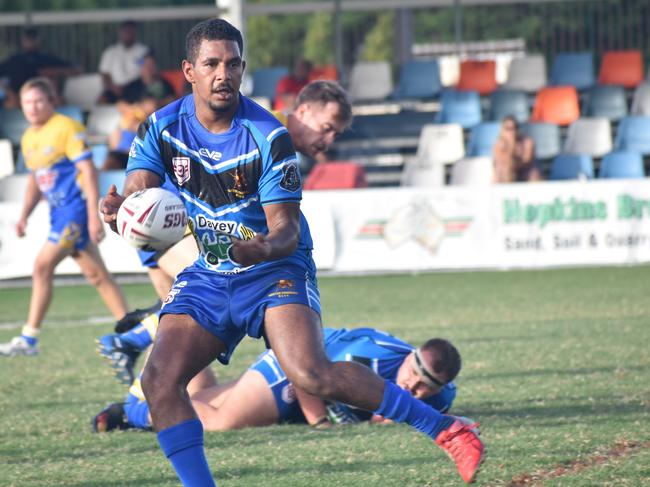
x=152 y=219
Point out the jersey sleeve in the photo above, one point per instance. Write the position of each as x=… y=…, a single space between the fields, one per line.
x=76 y=143
x=145 y=151
x=280 y=181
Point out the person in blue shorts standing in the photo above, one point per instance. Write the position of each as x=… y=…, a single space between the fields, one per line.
x=263 y=395
x=237 y=172
x=61 y=171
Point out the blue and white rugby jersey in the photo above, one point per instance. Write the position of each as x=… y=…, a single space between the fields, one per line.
x=224 y=179
x=376 y=349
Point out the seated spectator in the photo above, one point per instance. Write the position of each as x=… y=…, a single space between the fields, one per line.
x=120 y=63
x=31 y=62
x=133 y=112
x=288 y=87
x=514 y=155
x=150 y=83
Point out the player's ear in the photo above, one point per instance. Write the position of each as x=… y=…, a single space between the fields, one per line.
x=188 y=70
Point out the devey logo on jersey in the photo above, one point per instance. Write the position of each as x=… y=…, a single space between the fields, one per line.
x=220 y=226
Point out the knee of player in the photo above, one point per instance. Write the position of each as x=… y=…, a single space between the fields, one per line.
x=314 y=380
x=43 y=269
x=96 y=278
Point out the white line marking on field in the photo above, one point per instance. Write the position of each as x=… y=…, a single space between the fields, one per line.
x=92 y=321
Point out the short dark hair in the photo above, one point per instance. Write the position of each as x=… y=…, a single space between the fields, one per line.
x=211 y=30
x=326 y=91
x=129 y=23
x=446 y=359
x=30 y=32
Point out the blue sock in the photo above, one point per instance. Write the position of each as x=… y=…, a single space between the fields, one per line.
x=31 y=341
x=183 y=446
x=401 y=407
x=137 y=413
x=138 y=337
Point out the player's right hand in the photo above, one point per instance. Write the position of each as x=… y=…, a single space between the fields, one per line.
x=20 y=227
x=109 y=206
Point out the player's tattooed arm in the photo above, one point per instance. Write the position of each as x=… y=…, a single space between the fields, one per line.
x=135 y=181
x=283 y=221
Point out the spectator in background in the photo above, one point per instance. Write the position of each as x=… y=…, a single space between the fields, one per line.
x=120 y=63
x=31 y=62
x=514 y=155
x=134 y=109
x=151 y=84
x=288 y=87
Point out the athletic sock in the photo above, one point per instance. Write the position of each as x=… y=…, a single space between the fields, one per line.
x=30 y=335
x=138 y=337
x=400 y=406
x=137 y=413
x=183 y=446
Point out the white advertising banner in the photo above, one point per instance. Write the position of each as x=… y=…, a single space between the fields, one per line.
x=407 y=229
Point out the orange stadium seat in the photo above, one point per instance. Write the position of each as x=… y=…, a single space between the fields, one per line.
x=324 y=72
x=336 y=175
x=556 y=104
x=621 y=68
x=478 y=76
x=176 y=78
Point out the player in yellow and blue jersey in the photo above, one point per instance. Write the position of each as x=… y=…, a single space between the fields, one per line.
x=236 y=169
x=61 y=170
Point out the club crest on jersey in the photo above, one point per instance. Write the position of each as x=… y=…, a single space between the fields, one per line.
x=239 y=184
x=181 y=167
x=290 y=177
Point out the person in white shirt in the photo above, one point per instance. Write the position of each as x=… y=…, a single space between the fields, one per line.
x=120 y=63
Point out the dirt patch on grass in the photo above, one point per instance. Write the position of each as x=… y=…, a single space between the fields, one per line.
x=620 y=449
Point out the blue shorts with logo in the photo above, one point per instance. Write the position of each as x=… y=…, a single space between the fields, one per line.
x=285 y=397
x=69 y=226
x=231 y=306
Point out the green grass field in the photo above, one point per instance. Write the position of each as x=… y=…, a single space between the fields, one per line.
x=556 y=369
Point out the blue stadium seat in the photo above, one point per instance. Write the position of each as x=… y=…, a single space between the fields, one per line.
x=100 y=152
x=419 y=79
x=574 y=69
x=72 y=111
x=546 y=137
x=482 y=139
x=509 y=102
x=106 y=178
x=12 y=125
x=266 y=79
x=572 y=166
x=622 y=164
x=606 y=101
x=461 y=107
x=633 y=133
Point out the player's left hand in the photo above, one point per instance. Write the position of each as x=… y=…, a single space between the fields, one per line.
x=250 y=252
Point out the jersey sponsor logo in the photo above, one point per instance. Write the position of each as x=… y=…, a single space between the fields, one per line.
x=132 y=151
x=239 y=184
x=181 y=167
x=246 y=233
x=219 y=226
x=211 y=154
x=46 y=179
x=288 y=394
x=216 y=248
x=290 y=177
x=174 y=291
x=283 y=289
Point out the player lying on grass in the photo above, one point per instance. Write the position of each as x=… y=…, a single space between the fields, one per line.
x=263 y=395
x=321 y=111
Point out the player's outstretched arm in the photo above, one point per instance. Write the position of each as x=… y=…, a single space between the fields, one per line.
x=283 y=221
x=89 y=179
x=135 y=181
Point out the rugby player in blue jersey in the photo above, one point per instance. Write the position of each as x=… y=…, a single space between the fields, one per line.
x=263 y=395
x=236 y=169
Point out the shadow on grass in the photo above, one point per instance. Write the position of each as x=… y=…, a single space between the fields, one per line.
x=168 y=479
